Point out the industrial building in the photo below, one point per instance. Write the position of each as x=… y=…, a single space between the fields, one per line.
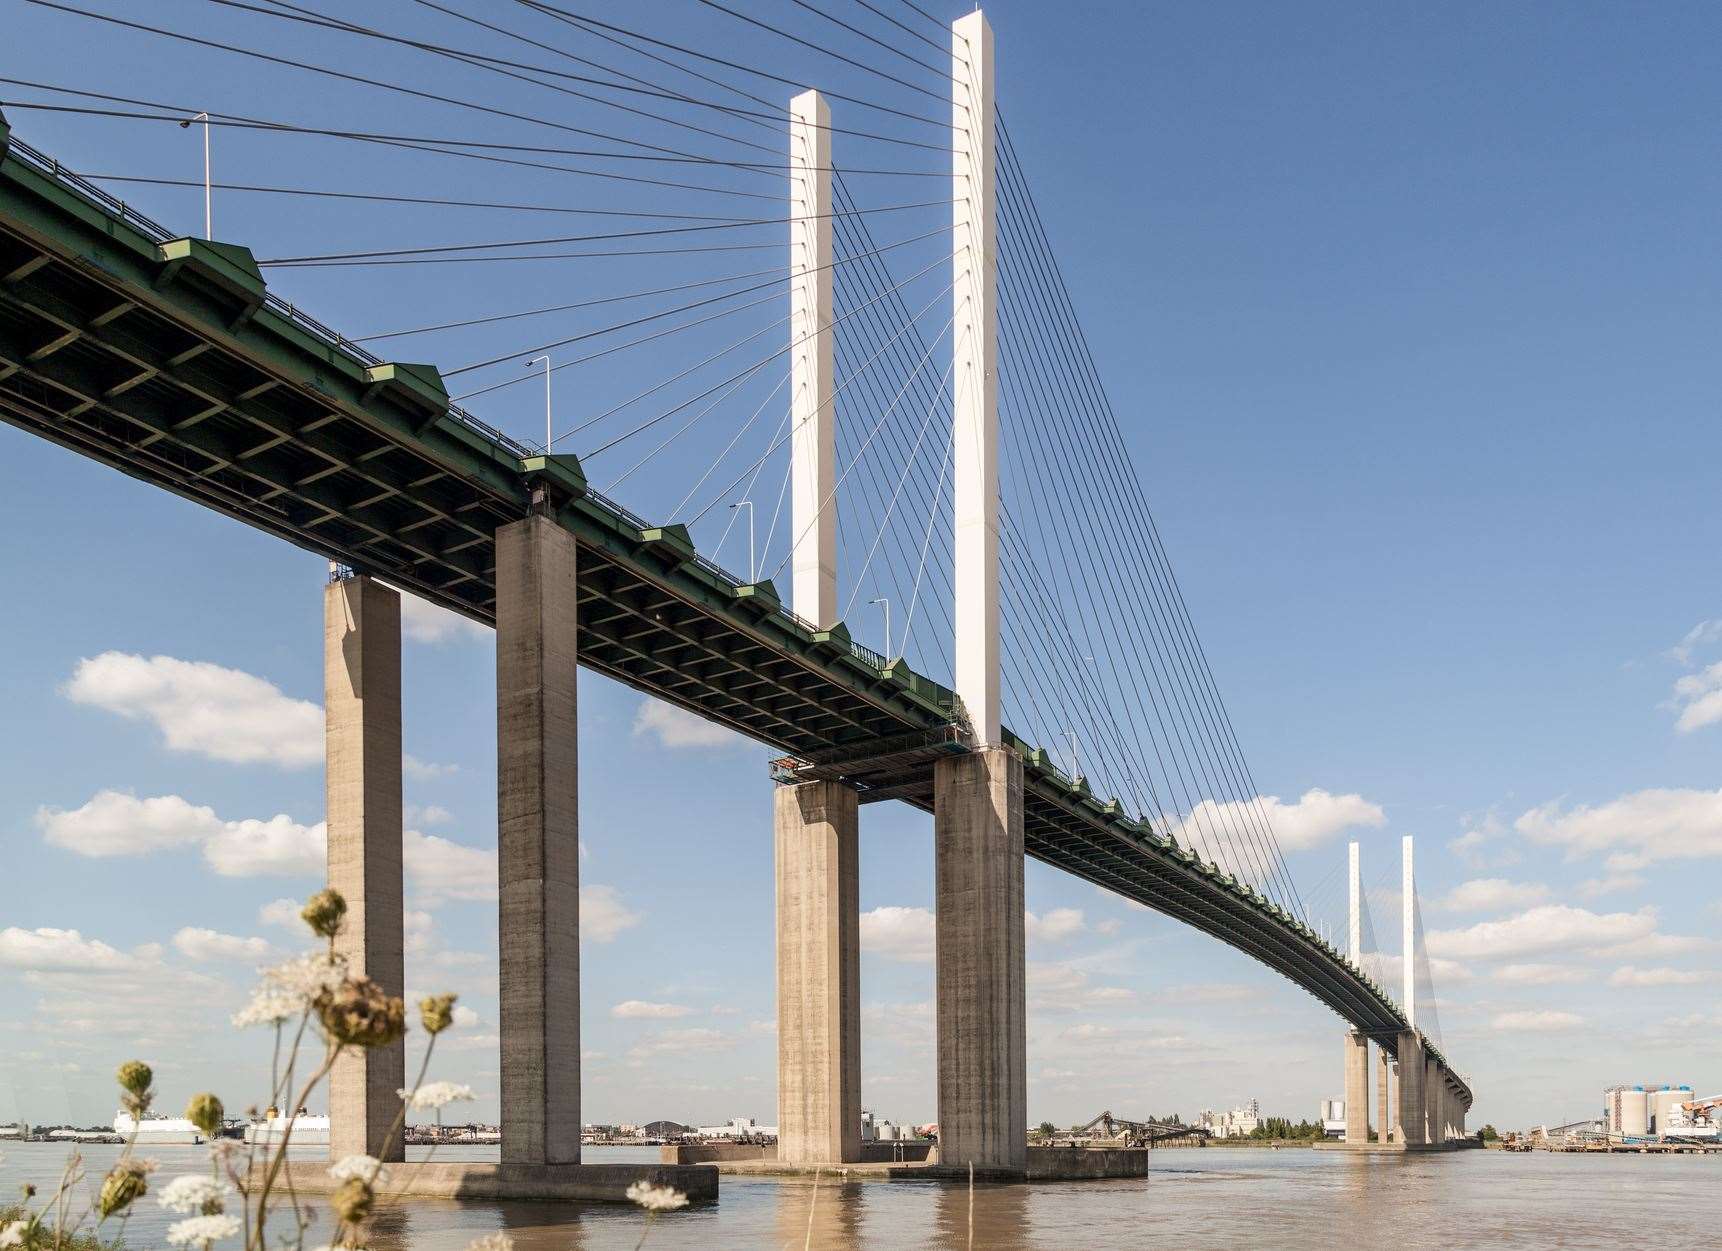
x=1658 y=1111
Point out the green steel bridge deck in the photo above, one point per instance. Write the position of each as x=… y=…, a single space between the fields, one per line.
x=168 y=359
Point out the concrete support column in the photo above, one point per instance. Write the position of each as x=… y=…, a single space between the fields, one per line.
x=1410 y=1128
x=1382 y=1121
x=981 y=1011
x=1356 y=1087
x=818 y=974
x=538 y=841
x=812 y=365
x=1434 y=1085
x=362 y=741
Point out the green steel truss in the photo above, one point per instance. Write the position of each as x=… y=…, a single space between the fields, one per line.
x=168 y=359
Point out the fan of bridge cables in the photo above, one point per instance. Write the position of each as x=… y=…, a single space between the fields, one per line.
x=580 y=217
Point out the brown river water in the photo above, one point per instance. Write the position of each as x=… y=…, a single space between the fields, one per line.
x=1192 y=1198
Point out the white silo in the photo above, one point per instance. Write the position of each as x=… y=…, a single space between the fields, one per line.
x=1629 y=1111
x=1663 y=1105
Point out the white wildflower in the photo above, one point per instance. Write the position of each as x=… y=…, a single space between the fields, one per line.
x=202 y=1231
x=437 y=1095
x=191 y=1193
x=367 y=1168
x=268 y=1006
x=491 y=1242
x=12 y=1235
x=657 y=1198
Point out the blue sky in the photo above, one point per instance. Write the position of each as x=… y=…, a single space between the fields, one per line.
x=1410 y=317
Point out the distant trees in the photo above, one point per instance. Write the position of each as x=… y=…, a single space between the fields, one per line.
x=1046 y=1129
x=1281 y=1127
x=1490 y=1134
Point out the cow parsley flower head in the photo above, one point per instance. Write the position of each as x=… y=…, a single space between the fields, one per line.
x=202 y=1232
x=194 y=1193
x=268 y=1006
x=436 y=1095
x=291 y=988
x=491 y=1242
x=364 y=1167
x=657 y=1198
x=12 y=1234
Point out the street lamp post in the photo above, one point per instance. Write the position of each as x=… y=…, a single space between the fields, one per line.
x=529 y=365
x=887 y=605
x=208 y=228
x=752 y=575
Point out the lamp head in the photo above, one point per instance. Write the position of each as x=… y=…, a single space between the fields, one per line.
x=186 y=124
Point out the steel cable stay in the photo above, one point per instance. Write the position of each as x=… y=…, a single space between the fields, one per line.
x=1012 y=424
x=1066 y=312
x=861 y=283
x=1209 y=767
x=758 y=465
x=821 y=48
x=658 y=387
x=494 y=65
x=837 y=391
x=342 y=75
x=771 y=120
x=430 y=146
x=579 y=20
x=871 y=435
x=610 y=488
x=1068 y=492
x=936 y=71
x=874 y=332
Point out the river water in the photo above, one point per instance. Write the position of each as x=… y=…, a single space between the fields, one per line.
x=1204 y=1198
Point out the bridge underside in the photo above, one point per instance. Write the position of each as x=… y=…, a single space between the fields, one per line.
x=168 y=360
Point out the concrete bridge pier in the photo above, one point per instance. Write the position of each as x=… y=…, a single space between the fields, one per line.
x=818 y=974
x=538 y=841
x=1410 y=1127
x=980 y=993
x=1356 y=1087
x=1434 y=1096
x=362 y=793
x=1383 y=1080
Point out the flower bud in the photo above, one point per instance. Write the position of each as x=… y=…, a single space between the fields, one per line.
x=135 y=1076
x=324 y=912
x=352 y=1200
x=205 y=1112
x=360 y=1013
x=124 y=1183
x=436 y=1012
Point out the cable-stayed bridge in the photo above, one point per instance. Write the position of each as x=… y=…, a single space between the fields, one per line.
x=918 y=424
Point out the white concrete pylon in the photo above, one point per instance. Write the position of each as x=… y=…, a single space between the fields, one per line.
x=974 y=374
x=813 y=447
x=1408 y=944
x=1355 y=930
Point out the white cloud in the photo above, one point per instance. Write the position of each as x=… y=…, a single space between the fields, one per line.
x=603 y=915
x=1493 y=894
x=67 y=951
x=1627 y=975
x=417 y=927
x=675 y=1041
x=1656 y=824
x=1658 y=945
x=430 y=814
x=1548 y=928
x=1612 y=884
x=465 y=1017
x=1109 y=927
x=204 y=944
x=1698 y=699
x=203 y=708
x=899 y=933
x=1053 y=926
x=279 y=846
x=1705 y=632
x=442 y=869
x=1315 y=818
x=639 y=1009
x=676 y=727
x=113 y=823
x=282 y=912
x=1536 y=1022
x=1063 y=987
x=425 y=622
x=423 y=770
x=1541 y=974
x=1479 y=846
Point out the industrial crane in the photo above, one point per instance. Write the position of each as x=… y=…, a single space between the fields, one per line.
x=1137 y=1133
